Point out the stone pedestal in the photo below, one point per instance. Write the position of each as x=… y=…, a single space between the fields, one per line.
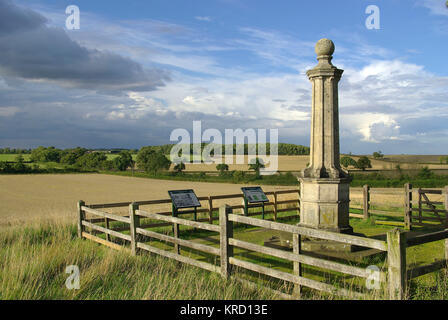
x=324 y=204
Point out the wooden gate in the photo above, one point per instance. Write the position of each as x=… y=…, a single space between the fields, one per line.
x=428 y=213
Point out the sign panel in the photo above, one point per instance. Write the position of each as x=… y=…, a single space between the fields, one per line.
x=184 y=198
x=254 y=194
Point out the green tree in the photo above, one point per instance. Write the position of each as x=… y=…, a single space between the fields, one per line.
x=123 y=161
x=238 y=176
x=69 y=156
x=42 y=154
x=347 y=161
x=256 y=165
x=425 y=173
x=363 y=163
x=378 y=155
x=152 y=161
x=92 y=160
x=179 y=167
x=222 y=168
x=19 y=165
x=143 y=156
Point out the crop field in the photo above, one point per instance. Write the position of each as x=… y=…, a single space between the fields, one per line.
x=53 y=196
x=297 y=163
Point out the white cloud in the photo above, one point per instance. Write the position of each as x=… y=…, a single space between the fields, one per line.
x=8 y=111
x=207 y=19
x=436 y=7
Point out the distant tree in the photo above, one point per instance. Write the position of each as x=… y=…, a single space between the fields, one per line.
x=123 y=161
x=108 y=165
x=347 y=161
x=378 y=155
x=363 y=163
x=425 y=173
x=143 y=156
x=42 y=154
x=5 y=167
x=238 y=175
x=444 y=160
x=152 y=161
x=256 y=165
x=179 y=167
x=222 y=168
x=69 y=156
x=92 y=160
x=19 y=165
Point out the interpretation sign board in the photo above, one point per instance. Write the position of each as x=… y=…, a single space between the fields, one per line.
x=184 y=199
x=254 y=194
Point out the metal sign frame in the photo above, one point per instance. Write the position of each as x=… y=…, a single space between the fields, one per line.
x=175 y=208
x=250 y=203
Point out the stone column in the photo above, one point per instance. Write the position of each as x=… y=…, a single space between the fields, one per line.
x=324 y=186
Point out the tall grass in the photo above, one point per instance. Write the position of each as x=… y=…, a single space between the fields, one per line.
x=33 y=262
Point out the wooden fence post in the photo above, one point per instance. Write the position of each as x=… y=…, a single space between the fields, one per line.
x=408 y=206
x=275 y=205
x=106 y=224
x=297 y=248
x=366 y=201
x=446 y=252
x=446 y=206
x=80 y=217
x=210 y=209
x=419 y=191
x=396 y=262
x=135 y=223
x=225 y=233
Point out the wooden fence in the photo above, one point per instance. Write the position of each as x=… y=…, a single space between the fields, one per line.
x=367 y=211
x=407 y=219
x=395 y=277
x=275 y=204
x=434 y=217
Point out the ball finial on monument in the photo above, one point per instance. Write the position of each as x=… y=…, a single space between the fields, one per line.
x=324 y=47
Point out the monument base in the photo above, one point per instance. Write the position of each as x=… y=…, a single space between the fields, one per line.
x=324 y=204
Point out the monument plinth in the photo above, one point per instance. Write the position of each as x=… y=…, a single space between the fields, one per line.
x=324 y=186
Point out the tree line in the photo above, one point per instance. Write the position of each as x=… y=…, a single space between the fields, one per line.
x=14 y=151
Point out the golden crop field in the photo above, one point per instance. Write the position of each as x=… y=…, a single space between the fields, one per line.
x=297 y=163
x=55 y=196
x=26 y=198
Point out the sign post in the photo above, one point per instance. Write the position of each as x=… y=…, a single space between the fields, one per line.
x=182 y=199
x=254 y=197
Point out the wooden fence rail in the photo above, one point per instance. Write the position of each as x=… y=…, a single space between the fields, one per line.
x=395 y=276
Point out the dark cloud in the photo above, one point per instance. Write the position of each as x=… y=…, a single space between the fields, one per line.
x=29 y=49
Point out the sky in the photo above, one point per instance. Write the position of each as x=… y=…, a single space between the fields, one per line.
x=136 y=70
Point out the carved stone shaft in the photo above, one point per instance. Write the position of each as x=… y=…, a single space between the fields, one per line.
x=324 y=186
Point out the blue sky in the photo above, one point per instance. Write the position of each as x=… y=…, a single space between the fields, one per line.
x=136 y=70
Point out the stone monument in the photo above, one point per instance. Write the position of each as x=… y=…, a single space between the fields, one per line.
x=324 y=186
